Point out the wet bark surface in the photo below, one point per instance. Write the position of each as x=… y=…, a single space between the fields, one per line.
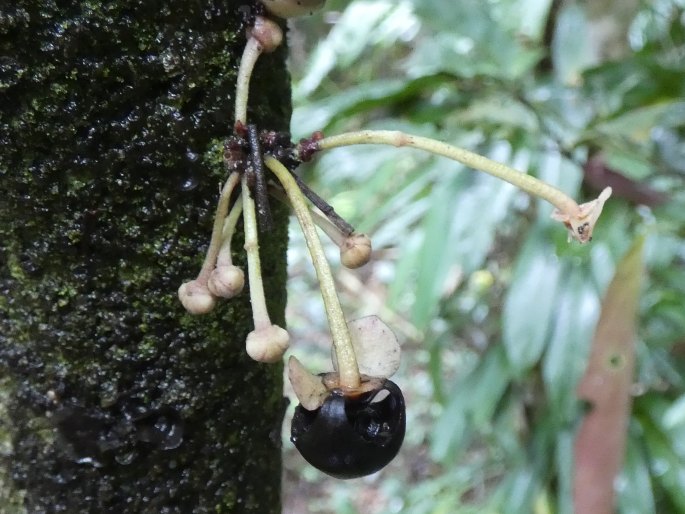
x=113 y=399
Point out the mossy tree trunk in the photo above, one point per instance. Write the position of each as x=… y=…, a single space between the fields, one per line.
x=112 y=398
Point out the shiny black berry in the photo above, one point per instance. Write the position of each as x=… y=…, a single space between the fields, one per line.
x=352 y=436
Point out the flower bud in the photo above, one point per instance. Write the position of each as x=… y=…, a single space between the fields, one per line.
x=226 y=281
x=267 y=344
x=267 y=33
x=355 y=251
x=196 y=297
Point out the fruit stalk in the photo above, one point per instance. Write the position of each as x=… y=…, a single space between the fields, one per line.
x=342 y=342
x=579 y=219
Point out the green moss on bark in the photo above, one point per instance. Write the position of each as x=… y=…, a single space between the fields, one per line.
x=115 y=399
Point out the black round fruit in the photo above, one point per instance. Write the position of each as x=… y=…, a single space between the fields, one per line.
x=352 y=436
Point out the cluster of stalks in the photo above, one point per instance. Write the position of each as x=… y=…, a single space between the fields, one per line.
x=261 y=165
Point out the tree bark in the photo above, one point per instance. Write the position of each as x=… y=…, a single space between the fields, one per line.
x=112 y=398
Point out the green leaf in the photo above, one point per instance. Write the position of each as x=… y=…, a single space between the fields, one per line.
x=430 y=280
x=675 y=415
x=666 y=461
x=533 y=290
x=634 y=126
x=634 y=485
x=571 y=48
x=473 y=402
x=361 y=25
x=563 y=457
x=315 y=116
x=458 y=236
x=456 y=55
x=575 y=315
x=499 y=110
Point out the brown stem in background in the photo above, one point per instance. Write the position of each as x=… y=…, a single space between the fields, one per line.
x=599 y=175
x=605 y=386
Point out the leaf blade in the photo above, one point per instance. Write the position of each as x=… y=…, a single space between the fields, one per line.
x=600 y=442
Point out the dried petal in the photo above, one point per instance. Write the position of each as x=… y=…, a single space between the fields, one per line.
x=309 y=388
x=375 y=346
x=581 y=224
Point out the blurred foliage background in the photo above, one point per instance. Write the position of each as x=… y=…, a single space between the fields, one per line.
x=494 y=308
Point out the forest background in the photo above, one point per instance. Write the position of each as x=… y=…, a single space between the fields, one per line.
x=495 y=309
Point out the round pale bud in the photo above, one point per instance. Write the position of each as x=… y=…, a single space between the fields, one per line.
x=292 y=8
x=226 y=281
x=267 y=344
x=196 y=297
x=355 y=251
x=267 y=33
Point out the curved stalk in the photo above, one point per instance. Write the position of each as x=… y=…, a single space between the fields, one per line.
x=217 y=229
x=263 y=37
x=342 y=342
x=578 y=219
x=253 y=50
x=521 y=180
x=228 y=230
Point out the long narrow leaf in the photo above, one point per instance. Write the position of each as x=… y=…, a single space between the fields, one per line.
x=605 y=386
